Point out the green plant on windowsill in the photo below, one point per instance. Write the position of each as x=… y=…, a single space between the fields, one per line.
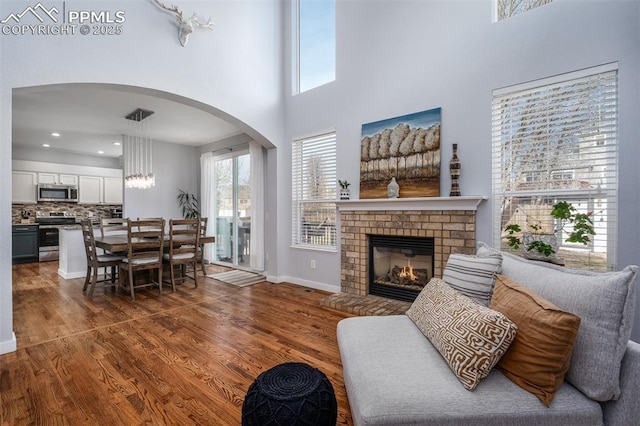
x=565 y=213
x=189 y=205
x=344 y=189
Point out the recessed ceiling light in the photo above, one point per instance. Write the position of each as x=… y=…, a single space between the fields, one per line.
x=46 y=145
x=55 y=134
x=100 y=152
x=116 y=143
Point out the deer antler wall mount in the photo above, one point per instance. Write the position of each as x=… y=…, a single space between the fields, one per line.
x=185 y=26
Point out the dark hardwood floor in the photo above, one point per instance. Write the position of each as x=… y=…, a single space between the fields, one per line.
x=180 y=358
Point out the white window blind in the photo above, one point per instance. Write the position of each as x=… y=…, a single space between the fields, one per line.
x=556 y=140
x=314 y=192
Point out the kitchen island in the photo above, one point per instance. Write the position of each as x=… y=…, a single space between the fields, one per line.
x=72 y=262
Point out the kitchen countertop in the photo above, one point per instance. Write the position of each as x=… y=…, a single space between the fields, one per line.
x=62 y=226
x=72 y=227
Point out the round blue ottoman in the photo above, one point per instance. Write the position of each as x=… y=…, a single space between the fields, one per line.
x=290 y=394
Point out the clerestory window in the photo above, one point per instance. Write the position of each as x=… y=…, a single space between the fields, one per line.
x=314 y=44
x=507 y=8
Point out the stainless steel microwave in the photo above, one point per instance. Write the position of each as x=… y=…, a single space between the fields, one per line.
x=63 y=193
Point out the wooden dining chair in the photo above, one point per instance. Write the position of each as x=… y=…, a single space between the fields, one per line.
x=184 y=240
x=145 y=241
x=96 y=261
x=200 y=251
x=113 y=226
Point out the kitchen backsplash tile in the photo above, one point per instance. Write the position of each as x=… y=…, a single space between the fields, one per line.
x=95 y=212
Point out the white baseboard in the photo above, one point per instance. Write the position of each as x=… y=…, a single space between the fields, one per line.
x=71 y=275
x=9 y=345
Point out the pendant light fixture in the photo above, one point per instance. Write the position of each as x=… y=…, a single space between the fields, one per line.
x=138 y=151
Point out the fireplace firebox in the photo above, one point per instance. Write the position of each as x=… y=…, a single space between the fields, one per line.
x=399 y=267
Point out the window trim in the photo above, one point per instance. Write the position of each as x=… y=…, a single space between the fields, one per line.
x=296 y=47
x=295 y=54
x=296 y=203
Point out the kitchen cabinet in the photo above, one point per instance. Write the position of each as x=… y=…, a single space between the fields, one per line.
x=113 y=190
x=90 y=189
x=24 y=243
x=57 y=178
x=100 y=190
x=96 y=185
x=23 y=187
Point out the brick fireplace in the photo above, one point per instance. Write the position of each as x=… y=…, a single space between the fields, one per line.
x=450 y=221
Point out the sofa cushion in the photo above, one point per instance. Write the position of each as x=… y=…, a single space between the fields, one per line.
x=473 y=276
x=605 y=303
x=539 y=357
x=395 y=377
x=471 y=337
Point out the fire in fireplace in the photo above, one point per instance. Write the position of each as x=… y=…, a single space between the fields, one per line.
x=399 y=267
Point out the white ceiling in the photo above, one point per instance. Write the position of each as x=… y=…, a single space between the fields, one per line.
x=90 y=118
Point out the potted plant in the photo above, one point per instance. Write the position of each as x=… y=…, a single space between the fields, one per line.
x=189 y=205
x=543 y=246
x=344 y=189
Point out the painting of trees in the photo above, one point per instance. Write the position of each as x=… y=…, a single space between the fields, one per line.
x=407 y=148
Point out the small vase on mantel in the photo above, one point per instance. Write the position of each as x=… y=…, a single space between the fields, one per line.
x=393 y=189
x=455 y=165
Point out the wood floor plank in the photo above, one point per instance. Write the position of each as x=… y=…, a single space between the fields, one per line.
x=181 y=358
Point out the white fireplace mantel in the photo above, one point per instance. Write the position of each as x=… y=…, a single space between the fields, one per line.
x=469 y=202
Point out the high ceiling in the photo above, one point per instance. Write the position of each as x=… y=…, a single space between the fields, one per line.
x=90 y=118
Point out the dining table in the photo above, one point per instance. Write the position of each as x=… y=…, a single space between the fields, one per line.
x=119 y=243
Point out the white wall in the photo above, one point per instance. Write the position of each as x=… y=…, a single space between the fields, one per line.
x=176 y=167
x=235 y=69
x=399 y=57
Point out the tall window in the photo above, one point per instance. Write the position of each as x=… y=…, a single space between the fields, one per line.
x=314 y=192
x=315 y=43
x=508 y=8
x=556 y=140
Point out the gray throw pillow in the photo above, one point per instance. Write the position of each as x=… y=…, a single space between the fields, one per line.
x=605 y=303
x=473 y=276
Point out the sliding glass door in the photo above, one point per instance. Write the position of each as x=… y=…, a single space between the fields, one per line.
x=232 y=214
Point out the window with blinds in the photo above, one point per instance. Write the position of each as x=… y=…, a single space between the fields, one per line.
x=556 y=140
x=314 y=192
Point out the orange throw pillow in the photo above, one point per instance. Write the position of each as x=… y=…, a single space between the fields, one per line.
x=540 y=355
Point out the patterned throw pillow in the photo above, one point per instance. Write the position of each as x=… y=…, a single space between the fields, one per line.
x=469 y=336
x=540 y=355
x=473 y=276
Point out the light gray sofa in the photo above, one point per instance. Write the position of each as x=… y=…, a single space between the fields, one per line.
x=395 y=376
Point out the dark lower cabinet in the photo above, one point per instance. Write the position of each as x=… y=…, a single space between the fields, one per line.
x=25 y=243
